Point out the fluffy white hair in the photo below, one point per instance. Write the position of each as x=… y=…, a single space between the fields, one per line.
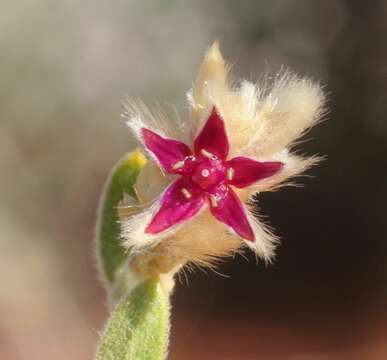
x=262 y=121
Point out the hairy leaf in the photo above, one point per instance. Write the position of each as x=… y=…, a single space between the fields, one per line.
x=138 y=328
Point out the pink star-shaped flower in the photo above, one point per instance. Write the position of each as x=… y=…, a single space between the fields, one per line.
x=193 y=218
x=206 y=176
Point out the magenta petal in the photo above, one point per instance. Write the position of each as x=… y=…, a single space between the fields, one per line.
x=246 y=171
x=213 y=138
x=227 y=208
x=181 y=201
x=167 y=151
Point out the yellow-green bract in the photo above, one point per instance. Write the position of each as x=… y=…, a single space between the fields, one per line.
x=121 y=180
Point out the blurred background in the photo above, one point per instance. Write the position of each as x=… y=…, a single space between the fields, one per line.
x=66 y=65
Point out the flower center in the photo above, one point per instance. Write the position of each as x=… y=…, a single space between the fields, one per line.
x=209 y=172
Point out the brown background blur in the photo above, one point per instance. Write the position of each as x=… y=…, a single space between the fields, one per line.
x=64 y=68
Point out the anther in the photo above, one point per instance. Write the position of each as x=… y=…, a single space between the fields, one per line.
x=186 y=193
x=214 y=201
x=205 y=173
x=206 y=154
x=178 y=165
x=230 y=173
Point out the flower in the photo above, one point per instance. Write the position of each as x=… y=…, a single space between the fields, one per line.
x=242 y=138
x=204 y=175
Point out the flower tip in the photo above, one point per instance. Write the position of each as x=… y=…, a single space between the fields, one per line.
x=249 y=237
x=213 y=67
x=279 y=165
x=214 y=53
x=212 y=77
x=136 y=157
x=149 y=230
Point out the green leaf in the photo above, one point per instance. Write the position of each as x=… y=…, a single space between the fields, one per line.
x=121 y=180
x=138 y=328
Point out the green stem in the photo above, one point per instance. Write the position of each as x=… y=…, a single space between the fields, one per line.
x=138 y=328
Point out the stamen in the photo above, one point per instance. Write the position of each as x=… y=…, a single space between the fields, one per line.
x=230 y=173
x=205 y=173
x=186 y=193
x=126 y=199
x=178 y=165
x=214 y=201
x=206 y=154
x=140 y=196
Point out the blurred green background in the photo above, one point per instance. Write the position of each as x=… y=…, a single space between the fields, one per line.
x=66 y=65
